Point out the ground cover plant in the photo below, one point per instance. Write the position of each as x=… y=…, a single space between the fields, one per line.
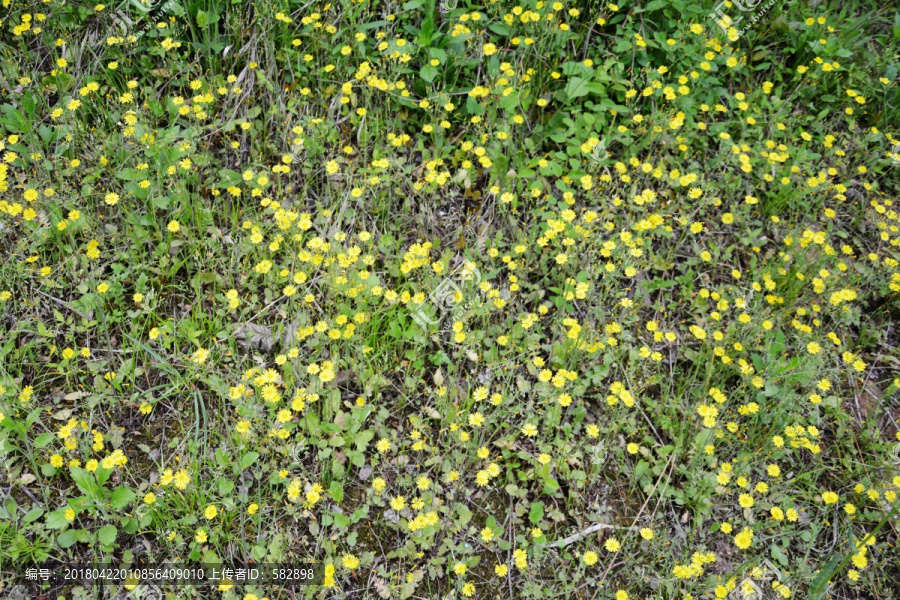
x=455 y=300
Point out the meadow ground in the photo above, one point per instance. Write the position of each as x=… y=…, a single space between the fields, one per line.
x=453 y=299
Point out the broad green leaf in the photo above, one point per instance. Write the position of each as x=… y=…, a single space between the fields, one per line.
x=57 y=519
x=341 y=521
x=43 y=440
x=107 y=535
x=67 y=538
x=576 y=88
x=428 y=73
x=85 y=481
x=121 y=497
x=248 y=459
x=33 y=515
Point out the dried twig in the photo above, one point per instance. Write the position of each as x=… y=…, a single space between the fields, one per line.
x=595 y=527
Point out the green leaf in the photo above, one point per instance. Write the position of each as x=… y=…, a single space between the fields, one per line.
x=428 y=73
x=536 y=513
x=43 y=440
x=778 y=555
x=576 y=88
x=641 y=468
x=229 y=178
x=33 y=515
x=337 y=491
x=103 y=475
x=363 y=438
x=85 y=481
x=67 y=538
x=14 y=119
x=817 y=587
x=258 y=553
x=341 y=521
x=550 y=485
x=130 y=526
x=596 y=88
x=57 y=519
x=499 y=28
x=360 y=513
x=553 y=169
x=226 y=486
x=248 y=459
x=107 y=535
x=132 y=174
x=472 y=106
x=121 y=497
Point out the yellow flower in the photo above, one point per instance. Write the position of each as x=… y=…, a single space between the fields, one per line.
x=173 y=226
x=350 y=562
x=744 y=538
x=211 y=512
x=182 y=479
